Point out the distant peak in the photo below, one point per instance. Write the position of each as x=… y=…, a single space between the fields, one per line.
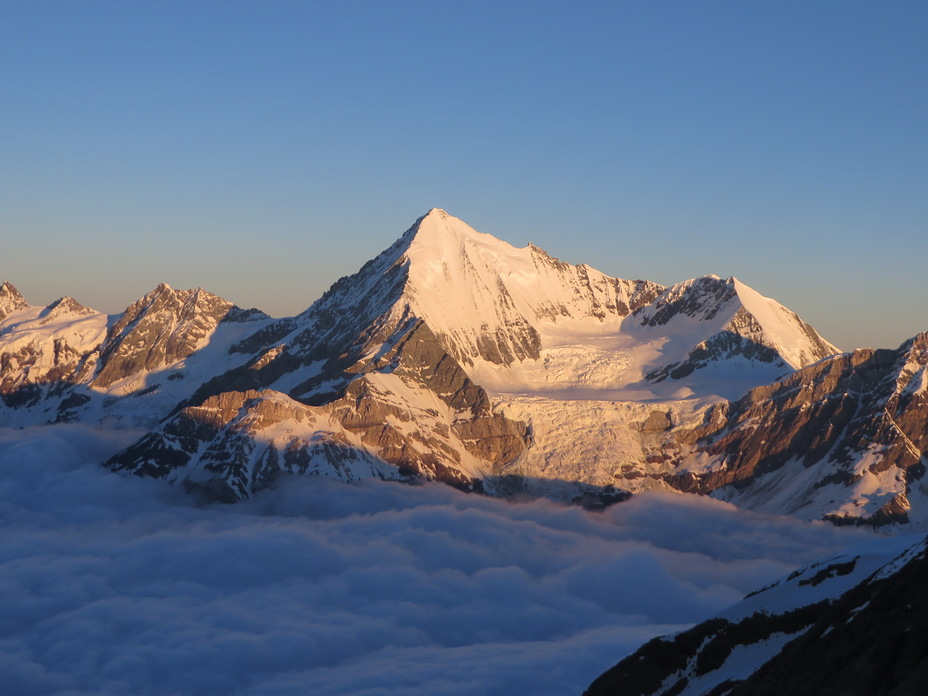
x=194 y=295
x=7 y=288
x=68 y=305
x=10 y=299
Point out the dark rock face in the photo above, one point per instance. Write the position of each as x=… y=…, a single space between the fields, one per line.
x=832 y=411
x=868 y=640
x=656 y=422
x=703 y=299
x=660 y=666
x=386 y=437
x=720 y=347
x=10 y=300
x=163 y=327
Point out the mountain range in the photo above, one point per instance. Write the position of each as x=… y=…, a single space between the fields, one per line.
x=454 y=356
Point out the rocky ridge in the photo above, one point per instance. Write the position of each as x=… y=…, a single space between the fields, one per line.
x=851 y=432
x=848 y=625
x=162 y=328
x=45 y=346
x=10 y=300
x=67 y=362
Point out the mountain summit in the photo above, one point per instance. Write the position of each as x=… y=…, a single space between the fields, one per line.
x=523 y=321
x=520 y=320
x=10 y=300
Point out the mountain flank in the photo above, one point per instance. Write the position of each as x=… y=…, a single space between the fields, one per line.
x=850 y=625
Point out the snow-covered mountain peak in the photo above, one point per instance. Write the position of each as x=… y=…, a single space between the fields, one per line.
x=492 y=302
x=64 y=306
x=438 y=236
x=8 y=289
x=797 y=342
x=11 y=300
x=497 y=308
x=727 y=317
x=161 y=328
x=45 y=344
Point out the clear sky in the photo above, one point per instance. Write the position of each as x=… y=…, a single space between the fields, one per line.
x=263 y=149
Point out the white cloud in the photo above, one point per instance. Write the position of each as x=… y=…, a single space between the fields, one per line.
x=114 y=585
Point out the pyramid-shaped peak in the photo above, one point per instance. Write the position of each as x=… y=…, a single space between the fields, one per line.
x=66 y=305
x=8 y=290
x=440 y=235
x=438 y=221
x=11 y=300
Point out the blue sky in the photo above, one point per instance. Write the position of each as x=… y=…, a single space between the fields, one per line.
x=261 y=150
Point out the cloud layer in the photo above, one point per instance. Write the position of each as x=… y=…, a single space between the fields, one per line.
x=124 y=586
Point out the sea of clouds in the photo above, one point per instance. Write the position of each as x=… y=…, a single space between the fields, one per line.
x=112 y=585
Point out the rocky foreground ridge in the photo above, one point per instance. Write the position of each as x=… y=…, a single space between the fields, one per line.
x=850 y=625
x=455 y=357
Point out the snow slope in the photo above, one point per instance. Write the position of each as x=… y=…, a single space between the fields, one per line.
x=522 y=322
x=42 y=344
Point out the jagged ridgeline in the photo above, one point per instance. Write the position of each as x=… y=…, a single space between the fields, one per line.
x=454 y=356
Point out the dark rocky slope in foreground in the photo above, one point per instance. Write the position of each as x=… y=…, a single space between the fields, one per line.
x=800 y=638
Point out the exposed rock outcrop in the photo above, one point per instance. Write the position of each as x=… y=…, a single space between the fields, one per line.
x=10 y=300
x=163 y=327
x=856 y=424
